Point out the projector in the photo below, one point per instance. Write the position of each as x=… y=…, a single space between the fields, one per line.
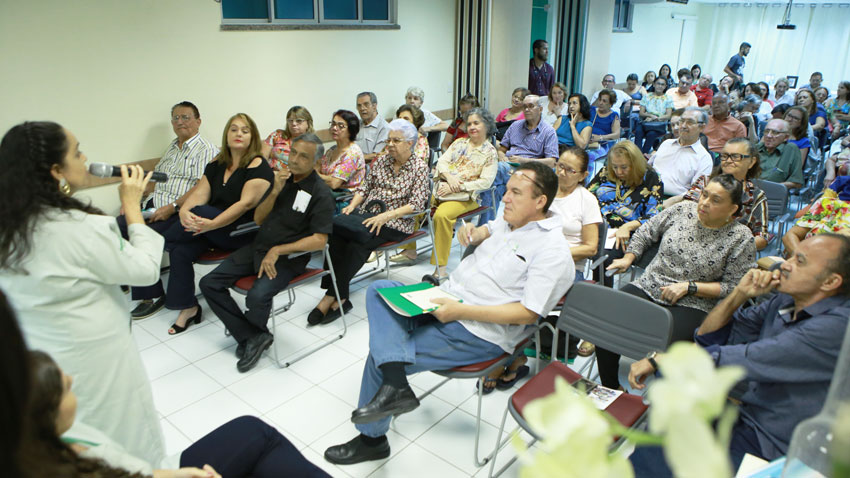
x=786 y=26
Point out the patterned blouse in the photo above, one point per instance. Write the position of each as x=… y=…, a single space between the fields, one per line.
x=657 y=104
x=280 y=149
x=689 y=251
x=831 y=105
x=408 y=186
x=827 y=214
x=756 y=219
x=349 y=166
x=422 y=150
x=476 y=167
x=620 y=204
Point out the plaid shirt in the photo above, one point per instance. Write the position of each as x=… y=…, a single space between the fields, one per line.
x=408 y=186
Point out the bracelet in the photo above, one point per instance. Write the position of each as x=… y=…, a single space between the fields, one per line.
x=692 y=287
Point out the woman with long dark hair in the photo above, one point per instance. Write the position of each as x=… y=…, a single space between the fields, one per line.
x=62 y=263
x=574 y=128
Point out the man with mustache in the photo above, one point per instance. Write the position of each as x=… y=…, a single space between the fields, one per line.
x=788 y=345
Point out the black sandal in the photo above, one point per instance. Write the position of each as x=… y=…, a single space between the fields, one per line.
x=484 y=382
x=193 y=319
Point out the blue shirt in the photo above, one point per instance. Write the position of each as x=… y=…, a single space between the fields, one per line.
x=602 y=125
x=820 y=112
x=736 y=64
x=565 y=133
x=540 y=142
x=789 y=363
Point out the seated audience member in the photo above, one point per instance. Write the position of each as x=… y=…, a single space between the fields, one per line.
x=499 y=300
x=184 y=161
x=829 y=214
x=61 y=264
x=703 y=251
x=746 y=112
x=468 y=166
x=821 y=95
x=413 y=115
x=554 y=105
x=372 y=135
x=343 y=165
x=696 y=72
x=637 y=92
x=648 y=80
x=837 y=163
x=740 y=158
x=415 y=96
x=608 y=83
x=778 y=111
x=629 y=193
x=288 y=225
x=276 y=146
x=815 y=81
x=702 y=90
x=530 y=139
x=673 y=130
x=780 y=160
x=681 y=95
x=655 y=111
x=666 y=73
x=838 y=109
x=245 y=446
x=787 y=345
x=816 y=112
x=765 y=93
x=796 y=117
x=721 y=126
x=605 y=125
x=764 y=108
x=725 y=86
x=458 y=128
x=574 y=128
x=514 y=112
x=225 y=198
x=679 y=162
x=781 y=96
x=395 y=185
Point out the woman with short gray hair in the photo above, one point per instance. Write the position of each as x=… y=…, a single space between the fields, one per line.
x=415 y=96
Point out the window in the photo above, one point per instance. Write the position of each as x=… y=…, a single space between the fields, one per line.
x=307 y=12
x=623 y=10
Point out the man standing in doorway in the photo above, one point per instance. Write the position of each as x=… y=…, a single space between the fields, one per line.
x=735 y=67
x=541 y=75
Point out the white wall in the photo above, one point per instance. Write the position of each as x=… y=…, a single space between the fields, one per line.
x=110 y=70
x=510 y=33
x=600 y=20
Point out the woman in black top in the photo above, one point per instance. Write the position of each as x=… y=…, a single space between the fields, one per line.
x=225 y=197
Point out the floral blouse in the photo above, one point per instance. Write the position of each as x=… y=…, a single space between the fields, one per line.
x=475 y=167
x=827 y=214
x=349 y=166
x=408 y=186
x=831 y=105
x=621 y=204
x=421 y=150
x=280 y=149
x=755 y=219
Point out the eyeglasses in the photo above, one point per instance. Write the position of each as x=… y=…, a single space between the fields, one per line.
x=529 y=106
x=565 y=169
x=773 y=132
x=333 y=125
x=177 y=118
x=522 y=174
x=689 y=122
x=395 y=140
x=732 y=157
x=295 y=121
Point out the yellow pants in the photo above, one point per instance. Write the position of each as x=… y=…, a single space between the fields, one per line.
x=444 y=223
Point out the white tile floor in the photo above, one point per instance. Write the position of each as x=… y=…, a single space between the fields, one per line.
x=197 y=388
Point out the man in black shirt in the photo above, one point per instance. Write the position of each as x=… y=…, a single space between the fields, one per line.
x=296 y=216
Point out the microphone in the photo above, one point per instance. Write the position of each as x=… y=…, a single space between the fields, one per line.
x=103 y=170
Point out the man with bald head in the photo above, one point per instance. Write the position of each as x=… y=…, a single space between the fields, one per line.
x=781 y=161
x=703 y=91
x=722 y=127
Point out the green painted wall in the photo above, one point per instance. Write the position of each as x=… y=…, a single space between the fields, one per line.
x=539 y=23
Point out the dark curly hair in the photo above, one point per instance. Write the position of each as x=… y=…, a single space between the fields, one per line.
x=27 y=189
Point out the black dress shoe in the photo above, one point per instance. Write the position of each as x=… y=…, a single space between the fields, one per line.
x=254 y=348
x=146 y=309
x=388 y=401
x=315 y=317
x=335 y=314
x=240 y=349
x=355 y=451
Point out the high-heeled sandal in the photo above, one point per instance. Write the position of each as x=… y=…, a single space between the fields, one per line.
x=193 y=319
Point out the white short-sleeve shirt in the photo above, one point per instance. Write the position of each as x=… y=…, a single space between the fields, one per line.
x=577 y=210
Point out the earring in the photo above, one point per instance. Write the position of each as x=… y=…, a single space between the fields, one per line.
x=65 y=187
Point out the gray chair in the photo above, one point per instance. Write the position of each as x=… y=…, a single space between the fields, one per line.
x=777 y=206
x=611 y=319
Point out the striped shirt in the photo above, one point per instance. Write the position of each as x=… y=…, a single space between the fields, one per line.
x=184 y=167
x=540 y=142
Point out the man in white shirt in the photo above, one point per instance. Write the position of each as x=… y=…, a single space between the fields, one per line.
x=608 y=82
x=373 y=128
x=520 y=269
x=415 y=97
x=679 y=162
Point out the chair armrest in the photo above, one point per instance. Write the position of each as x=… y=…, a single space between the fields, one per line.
x=246 y=228
x=598 y=262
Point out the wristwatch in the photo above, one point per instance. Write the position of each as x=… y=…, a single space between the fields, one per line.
x=692 y=287
x=651 y=358
x=176 y=207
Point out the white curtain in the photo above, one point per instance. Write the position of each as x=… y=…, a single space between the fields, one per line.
x=821 y=41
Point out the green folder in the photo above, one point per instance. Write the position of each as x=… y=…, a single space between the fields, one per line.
x=392 y=296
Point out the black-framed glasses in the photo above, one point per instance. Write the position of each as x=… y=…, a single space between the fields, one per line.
x=732 y=157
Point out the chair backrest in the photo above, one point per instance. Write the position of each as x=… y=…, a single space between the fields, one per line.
x=777 y=197
x=603 y=234
x=616 y=321
x=434 y=140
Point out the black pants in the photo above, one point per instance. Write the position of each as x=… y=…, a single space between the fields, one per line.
x=247 y=446
x=647 y=133
x=215 y=287
x=349 y=247
x=685 y=320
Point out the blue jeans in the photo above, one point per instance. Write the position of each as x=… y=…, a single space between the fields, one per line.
x=422 y=342
x=500 y=185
